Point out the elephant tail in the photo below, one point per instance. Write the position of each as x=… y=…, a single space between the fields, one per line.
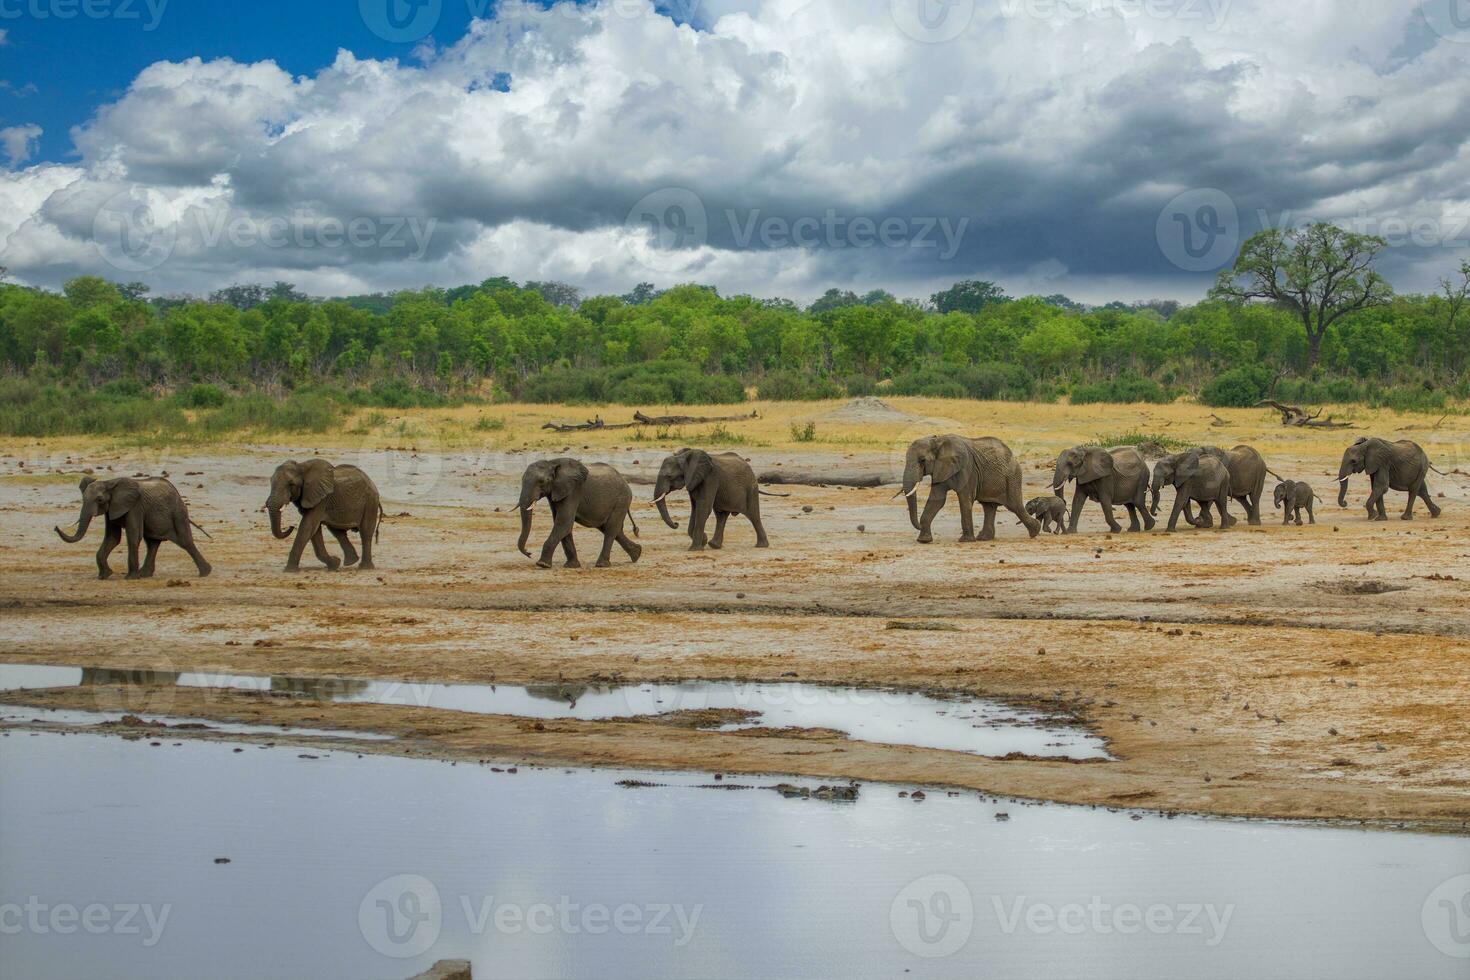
x=1438 y=470
x=767 y=493
x=201 y=530
x=634 y=521
x=378 y=530
x=1275 y=474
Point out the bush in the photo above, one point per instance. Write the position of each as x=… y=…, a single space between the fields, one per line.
x=203 y=396
x=261 y=413
x=1240 y=387
x=989 y=382
x=1123 y=390
x=859 y=386
x=804 y=433
x=787 y=386
x=653 y=383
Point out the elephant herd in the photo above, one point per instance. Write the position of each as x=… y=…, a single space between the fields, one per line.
x=341 y=498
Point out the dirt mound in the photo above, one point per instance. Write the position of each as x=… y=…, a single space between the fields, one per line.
x=1363 y=587
x=870 y=411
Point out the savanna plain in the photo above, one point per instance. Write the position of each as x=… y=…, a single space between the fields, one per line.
x=1312 y=672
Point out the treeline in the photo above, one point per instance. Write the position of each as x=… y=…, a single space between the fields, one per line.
x=545 y=342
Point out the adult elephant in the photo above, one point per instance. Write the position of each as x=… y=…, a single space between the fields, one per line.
x=978 y=471
x=1109 y=476
x=1205 y=479
x=146 y=510
x=1401 y=466
x=593 y=496
x=723 y=485
x=1247 y=480
x=339 y=498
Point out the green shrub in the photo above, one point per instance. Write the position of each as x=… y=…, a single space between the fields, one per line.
x=788 y=386
x=1123 y=390
x=653 y=383
x=1239 y=387
x=804 y=433
x=203 y=396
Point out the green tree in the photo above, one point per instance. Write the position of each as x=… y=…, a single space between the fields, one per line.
x=970 y=296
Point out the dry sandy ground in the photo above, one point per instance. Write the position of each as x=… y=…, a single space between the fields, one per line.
x=1317 y=672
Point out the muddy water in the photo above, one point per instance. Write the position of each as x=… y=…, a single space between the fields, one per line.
x=376 y=867
x=976 y=726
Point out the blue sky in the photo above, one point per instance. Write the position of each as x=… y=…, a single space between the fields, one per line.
x=1105 y=149
x=77 y=64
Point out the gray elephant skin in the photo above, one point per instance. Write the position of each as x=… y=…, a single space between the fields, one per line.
x=1109 y=476
x=1292 y=498
x=146 y=509
x=1247 y=480
x=1204 y=479
x=339 y=498
x=594 y=496
x=1399 y=466
x=1051 y=511
x=723 y=485
x=980 y=471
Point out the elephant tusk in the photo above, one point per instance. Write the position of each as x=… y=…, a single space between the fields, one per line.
x=660 y=500
x=913 y=493
x=1343 y=479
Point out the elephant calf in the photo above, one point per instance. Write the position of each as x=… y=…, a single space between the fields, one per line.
x=593 y=496
x=1051 y=511
x=1295 y=497
x=721 y=485
x=148 y=510
x=339 y=498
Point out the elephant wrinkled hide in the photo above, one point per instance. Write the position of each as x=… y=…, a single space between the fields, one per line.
x=147 y=509
x=339 y=498
x=1293 y=498
x=1051 y=511
x=1109 y=476
x=723 y=485
x=978 y=471
x=593 y=496
x=1399 y=466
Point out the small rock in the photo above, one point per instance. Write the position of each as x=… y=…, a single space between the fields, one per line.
x=221 y=860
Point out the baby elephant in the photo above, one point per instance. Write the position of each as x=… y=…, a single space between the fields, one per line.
x=1295 y=496
x=1051 y=511
x=146 y=509
x=593 y=496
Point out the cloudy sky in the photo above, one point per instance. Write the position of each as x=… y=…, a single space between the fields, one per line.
x=1100 y=148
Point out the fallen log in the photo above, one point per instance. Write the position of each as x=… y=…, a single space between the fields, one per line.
x=1297 y=417
x=812 y=478
x=639 y=420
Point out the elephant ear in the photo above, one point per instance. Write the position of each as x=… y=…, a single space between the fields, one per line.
x=1097 y=464
x=123 y=496
x=87 y=481
x=697 y=468
x=569 y=476
x=1377 y=455
x=949 y=457
x=318 y=482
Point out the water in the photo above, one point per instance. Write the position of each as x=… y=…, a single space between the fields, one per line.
x=563 y=873
x=976 y=726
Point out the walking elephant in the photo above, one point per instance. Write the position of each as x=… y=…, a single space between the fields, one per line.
x=1051 y=511
x=1292 y=498
x=723 y=485
x=1205 y=479
x=339 y=498
x=147 y=510
x=979 y=471
x=1247 y=481
x=1109 y=476
x=1401 y=466
x=593 y=496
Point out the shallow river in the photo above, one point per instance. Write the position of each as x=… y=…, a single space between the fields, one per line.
x=341 y=866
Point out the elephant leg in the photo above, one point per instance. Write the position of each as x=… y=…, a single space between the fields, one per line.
x=134 y=529
x=1142 y=504
x=1206 y=515
x=1223 y=506
x=319 y=548
x=1106 y=500
x=609 y=535
x=367 y=531
x=1179 y=500
x=350 y=556
x=311 y=525
x=563 y=516
x=1408 y=514
x=1299 y=517
x=987 y=532
x=1423 y=492
x=967 y=516
x=1311 y=511
x=633 y=548
x=753 y=511
x=184 y=538
x=932 y=507
x=698 y=519
x=150 y=556
x=569 y=551
x=109 y=541
x=1079 y=500
x=1252 y=506
x=1032 y=525
x=718 y=541
x=1133 y=522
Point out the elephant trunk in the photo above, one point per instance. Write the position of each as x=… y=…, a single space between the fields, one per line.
x=83 y=522
x=1059 y=481
x=661 y=492
x=1343 y=473
x=1154 y=488
x=280 y=535
x=912 y=474
x=527 y=507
